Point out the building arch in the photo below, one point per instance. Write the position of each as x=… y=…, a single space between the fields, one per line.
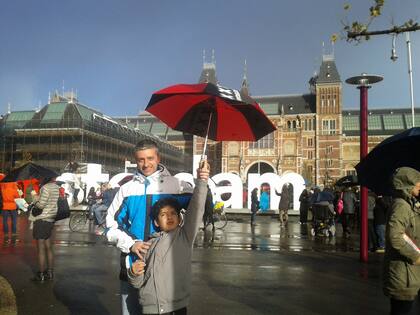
x=265 y=167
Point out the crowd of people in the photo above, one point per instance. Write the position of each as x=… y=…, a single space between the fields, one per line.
x=153 y=219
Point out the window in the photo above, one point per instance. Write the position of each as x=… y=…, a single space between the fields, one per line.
x=393 y=122
x=351 y=172
x=329 y=163
x=270 y=108
x=310 y=142
x=266 y=142
x=350 y=122
x=310 y=155
x=329 y=149
x=374 y=122
x=328 y=127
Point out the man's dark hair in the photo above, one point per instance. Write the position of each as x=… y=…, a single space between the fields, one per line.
x=162 y=203
x=146 y=144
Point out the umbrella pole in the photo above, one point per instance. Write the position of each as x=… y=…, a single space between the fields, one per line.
x=205 y=140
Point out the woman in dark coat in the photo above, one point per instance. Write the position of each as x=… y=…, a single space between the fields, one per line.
x=255 y=205
x=349 y=206
x=304 y=200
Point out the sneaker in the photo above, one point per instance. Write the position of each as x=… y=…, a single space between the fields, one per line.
x=380 y=250
x=99 y=230
x=39 y=277
x=49 y=274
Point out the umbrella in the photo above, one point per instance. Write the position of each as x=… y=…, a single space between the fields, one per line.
x=28 y=171
x=376 y=169
x=347 y=181
x=210 y=111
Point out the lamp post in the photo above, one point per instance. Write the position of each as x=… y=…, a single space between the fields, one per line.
x=363 y=83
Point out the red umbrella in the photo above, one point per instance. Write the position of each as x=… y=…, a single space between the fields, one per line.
x=210 y=111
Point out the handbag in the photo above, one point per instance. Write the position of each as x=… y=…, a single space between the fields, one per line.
x=34 y=210
x=63 y=209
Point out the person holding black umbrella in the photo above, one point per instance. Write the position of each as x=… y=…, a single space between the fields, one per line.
x=43 y=224
x=402 y=255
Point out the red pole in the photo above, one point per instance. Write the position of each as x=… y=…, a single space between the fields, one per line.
x=364 y=191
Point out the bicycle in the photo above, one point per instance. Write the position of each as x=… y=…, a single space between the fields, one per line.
x=79 y=219
x=219 y=215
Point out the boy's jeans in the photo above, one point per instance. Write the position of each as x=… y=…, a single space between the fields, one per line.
x=380 y=233
x=129 y=299
x=13 y=215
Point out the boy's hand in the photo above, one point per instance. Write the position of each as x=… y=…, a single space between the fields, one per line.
x=140 y=248
x=137 y=267
x=203 y=171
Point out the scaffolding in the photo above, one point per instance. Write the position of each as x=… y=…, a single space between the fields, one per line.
x=66 y=131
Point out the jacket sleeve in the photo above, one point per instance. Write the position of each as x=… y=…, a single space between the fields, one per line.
x=195 y=211
x=114 y=234
x=43 y=198
x=135 y=280
x=397 y=225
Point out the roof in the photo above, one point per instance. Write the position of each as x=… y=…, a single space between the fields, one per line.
x=288 y=104
x=380 y=121
x=19 y=118
x=328 y=72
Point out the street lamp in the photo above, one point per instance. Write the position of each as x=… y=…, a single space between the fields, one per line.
x=363 y=83
x=394 y=57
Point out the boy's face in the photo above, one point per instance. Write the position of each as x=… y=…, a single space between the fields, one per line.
x=168 y=219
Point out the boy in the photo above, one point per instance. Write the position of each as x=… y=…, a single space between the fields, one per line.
x=164 y=277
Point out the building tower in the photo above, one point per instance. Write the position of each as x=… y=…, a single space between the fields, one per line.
x=328 y=122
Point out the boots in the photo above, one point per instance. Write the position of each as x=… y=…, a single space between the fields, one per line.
x=49 y=274
x=39 y=277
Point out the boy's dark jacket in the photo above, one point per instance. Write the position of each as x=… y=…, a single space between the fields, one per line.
x=165 y=285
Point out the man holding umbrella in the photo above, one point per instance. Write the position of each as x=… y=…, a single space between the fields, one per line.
x=128 y=220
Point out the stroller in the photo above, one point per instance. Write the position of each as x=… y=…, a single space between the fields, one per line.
x=323 y=215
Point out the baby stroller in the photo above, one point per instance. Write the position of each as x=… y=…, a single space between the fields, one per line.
x=323 y=215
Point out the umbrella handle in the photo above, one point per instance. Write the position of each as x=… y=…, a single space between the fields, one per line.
x=205 y=140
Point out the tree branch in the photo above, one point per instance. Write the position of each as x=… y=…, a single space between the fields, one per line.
x=394 y=30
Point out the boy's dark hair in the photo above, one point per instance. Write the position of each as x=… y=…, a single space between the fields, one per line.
x=146 y=144
x=164 y=202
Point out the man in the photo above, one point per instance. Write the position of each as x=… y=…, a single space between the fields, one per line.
x=128 y=220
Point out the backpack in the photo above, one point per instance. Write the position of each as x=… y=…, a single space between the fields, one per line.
x=340 y=205
x=63 y=209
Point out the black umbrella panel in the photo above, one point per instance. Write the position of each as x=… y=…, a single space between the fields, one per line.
x=376 y=169
x=28 y=171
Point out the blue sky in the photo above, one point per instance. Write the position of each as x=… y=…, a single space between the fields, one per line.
x=116 y=53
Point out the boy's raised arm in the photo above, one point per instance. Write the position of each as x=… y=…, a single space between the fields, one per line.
x=195 y=211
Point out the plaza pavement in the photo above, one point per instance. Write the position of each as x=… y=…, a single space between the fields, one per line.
x=238 y=270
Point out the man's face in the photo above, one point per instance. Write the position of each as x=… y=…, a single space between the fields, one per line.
x=416 y=190
x=168 y=219
x=147 y=161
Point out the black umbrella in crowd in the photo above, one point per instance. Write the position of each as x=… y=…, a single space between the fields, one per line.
x=347 y=181
x=376 y=169
x=28 y=171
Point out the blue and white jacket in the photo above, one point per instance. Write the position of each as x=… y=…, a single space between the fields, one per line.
x=128 y=217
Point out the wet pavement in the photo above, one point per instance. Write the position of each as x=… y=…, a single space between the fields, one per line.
x=239 y=270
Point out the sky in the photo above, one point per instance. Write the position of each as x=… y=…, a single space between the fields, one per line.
x=115 y=54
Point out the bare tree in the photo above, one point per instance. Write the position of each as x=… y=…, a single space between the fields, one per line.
x=356 y=31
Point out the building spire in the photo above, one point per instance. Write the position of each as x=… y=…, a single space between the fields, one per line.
x=9 y=108
x=208 y=74
x=245 y=85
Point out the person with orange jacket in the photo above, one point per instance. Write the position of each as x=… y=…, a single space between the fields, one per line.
x=9 y=192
